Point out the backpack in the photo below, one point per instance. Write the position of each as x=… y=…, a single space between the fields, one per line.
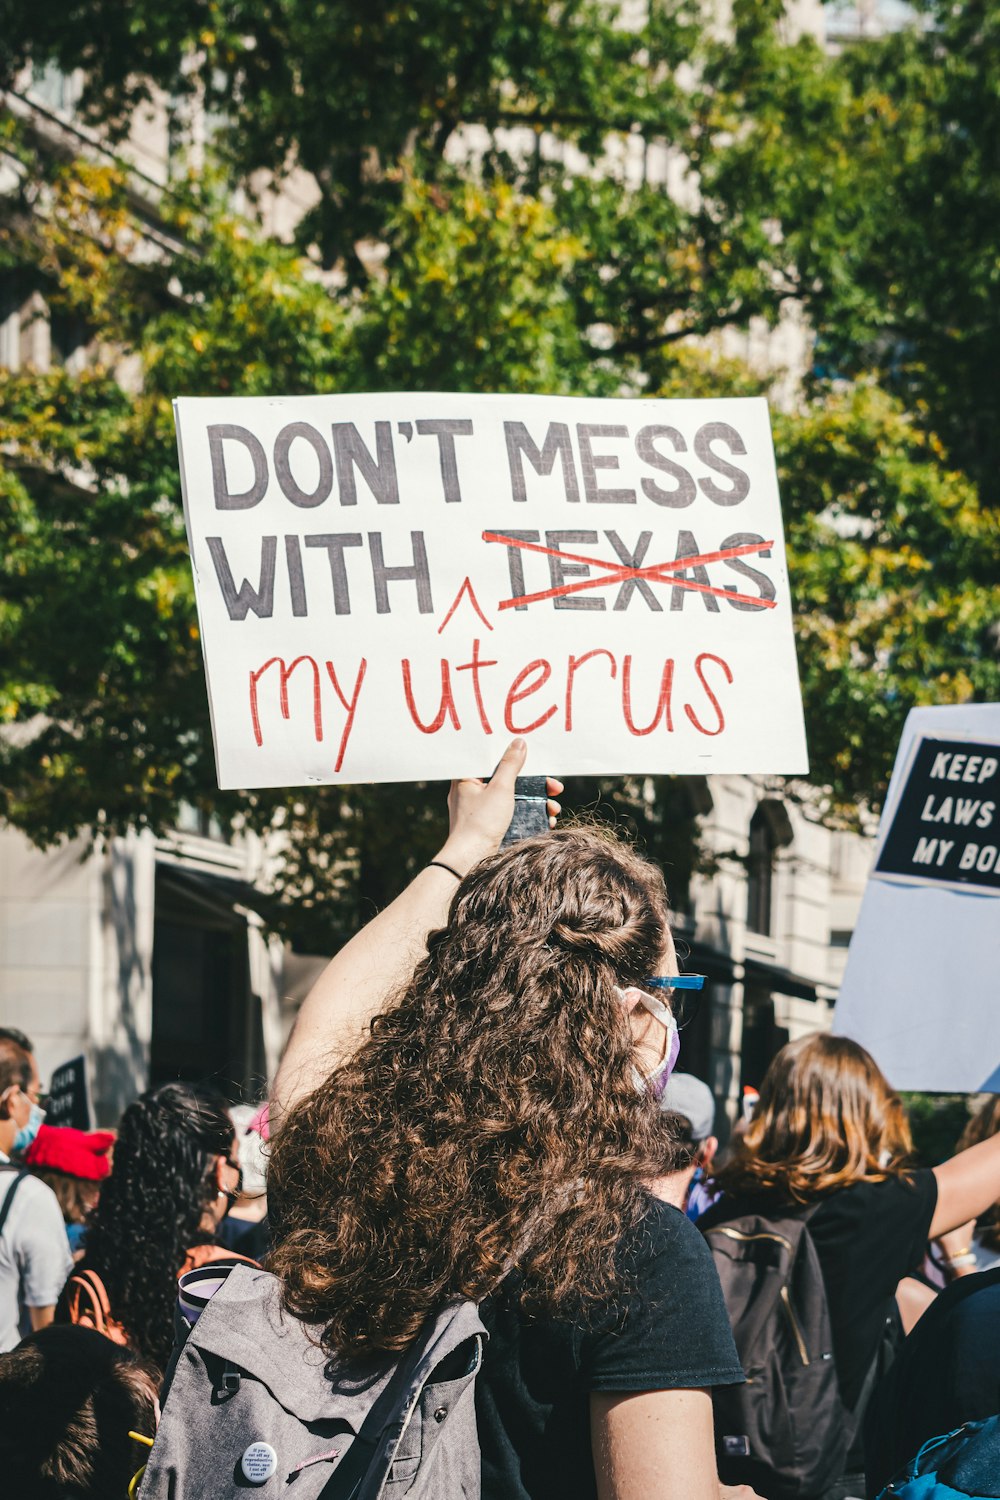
x=251 y=1395
x=786 y=1431
x=962 y=1463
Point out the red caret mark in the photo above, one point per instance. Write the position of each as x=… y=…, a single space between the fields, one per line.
x=618 y=572
x=465 y=590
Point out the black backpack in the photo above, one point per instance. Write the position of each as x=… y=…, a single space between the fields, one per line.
x=786 y=1432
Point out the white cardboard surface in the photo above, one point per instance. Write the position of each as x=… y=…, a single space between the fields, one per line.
x=377 y=645
x=922 y=986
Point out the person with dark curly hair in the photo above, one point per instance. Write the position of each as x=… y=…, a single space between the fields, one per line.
x=468 y=1108
x=77 y=1417
x=174 y=1177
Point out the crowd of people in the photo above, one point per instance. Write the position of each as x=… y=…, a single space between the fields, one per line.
x=478 y=1136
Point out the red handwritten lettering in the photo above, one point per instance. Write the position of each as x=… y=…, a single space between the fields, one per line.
x=447 y=709
x=575 y=662
x=662 y=702
x=351 y=706
x=474 y=666
x=707 y=656
x=542 y=671
x=284 y=676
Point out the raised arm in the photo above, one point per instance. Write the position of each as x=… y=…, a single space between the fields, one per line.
x=967 y=1184
x=355 y=985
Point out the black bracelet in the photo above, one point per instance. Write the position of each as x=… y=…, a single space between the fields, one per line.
x=437 y=865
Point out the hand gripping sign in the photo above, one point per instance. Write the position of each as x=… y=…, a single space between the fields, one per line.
x=390 y=586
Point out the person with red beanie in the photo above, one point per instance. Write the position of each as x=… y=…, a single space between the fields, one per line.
x=74 y=1163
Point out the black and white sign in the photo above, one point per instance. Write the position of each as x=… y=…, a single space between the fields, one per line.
x=946 y=826
x=69 y=1100
x=922 y=985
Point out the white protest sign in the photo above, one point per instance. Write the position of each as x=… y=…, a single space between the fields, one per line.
x=922 y=986
x=391 y=586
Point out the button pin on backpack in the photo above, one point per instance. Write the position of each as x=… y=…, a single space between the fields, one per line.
x=259 y=1462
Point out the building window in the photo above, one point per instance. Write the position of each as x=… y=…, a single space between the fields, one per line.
x=760 y=872
x=207 y=1021
x=11 y=297
x=763 y=1038
x=70 y=340
x=202 y=823
x=56 y=90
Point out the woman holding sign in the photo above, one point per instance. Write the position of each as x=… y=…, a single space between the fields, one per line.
x=468 y=1108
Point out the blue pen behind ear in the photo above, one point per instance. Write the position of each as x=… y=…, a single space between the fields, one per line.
x=677 y=982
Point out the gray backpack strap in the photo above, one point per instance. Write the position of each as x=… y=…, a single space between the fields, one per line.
x=5 y=1207
x=365 y=1468
x=376 y=1432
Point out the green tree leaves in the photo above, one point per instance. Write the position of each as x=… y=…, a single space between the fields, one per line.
x=518 y=196
x=895 y=582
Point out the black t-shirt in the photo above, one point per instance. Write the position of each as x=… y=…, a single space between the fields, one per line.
x=868 y=1236
x=250 y=1237
x=668 y=1330
x=947 y=1372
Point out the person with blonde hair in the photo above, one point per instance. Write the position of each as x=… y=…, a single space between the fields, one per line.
x=468 y=1108
x=830 y=1138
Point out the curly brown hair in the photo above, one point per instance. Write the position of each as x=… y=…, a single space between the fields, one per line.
x=826 y=1118
x=492 y=1121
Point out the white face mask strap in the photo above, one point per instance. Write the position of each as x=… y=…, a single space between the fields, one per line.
x=658 y=1008
x=634 y=996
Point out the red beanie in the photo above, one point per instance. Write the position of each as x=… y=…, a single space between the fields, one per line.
x=78 y=1153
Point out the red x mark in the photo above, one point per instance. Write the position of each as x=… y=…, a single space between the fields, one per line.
x=618 y=572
